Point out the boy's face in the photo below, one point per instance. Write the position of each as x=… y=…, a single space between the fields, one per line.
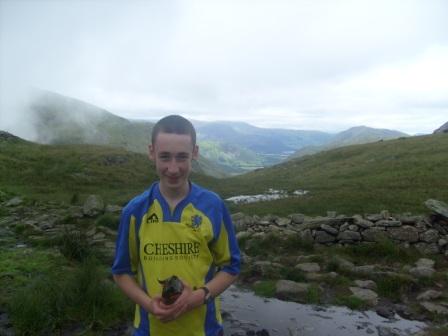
x=172 y=155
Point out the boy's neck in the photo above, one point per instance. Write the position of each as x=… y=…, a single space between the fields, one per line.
x=174 y=196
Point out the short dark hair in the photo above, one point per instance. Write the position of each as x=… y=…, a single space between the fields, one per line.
x=174 y=124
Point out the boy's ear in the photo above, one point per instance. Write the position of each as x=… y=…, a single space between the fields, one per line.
x=151 y=152
x=195 y=152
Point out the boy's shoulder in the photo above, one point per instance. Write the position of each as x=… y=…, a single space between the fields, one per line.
x=139 y=201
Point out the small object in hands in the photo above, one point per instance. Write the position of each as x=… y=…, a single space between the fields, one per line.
x=172 y=288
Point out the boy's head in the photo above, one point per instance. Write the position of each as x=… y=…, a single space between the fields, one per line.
x=174 y=124
x=172 y=149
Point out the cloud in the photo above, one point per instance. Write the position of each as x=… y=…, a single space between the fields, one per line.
x=299 y=64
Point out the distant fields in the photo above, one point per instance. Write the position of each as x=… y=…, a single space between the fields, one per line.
x=398 y=175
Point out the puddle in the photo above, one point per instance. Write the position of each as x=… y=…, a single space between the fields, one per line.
x=245 y=311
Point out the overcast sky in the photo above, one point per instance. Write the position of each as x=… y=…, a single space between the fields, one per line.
x=304 y=64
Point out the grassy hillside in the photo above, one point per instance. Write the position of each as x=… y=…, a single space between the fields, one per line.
x=63 y=120
x=397 y=175
x=353 y=136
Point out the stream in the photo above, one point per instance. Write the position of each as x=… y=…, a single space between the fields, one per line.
x=243 y=311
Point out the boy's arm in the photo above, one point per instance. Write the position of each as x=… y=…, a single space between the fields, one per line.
x=132 y=290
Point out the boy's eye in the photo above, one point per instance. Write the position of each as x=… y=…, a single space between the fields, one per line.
x=164 y=157
x=181 y=157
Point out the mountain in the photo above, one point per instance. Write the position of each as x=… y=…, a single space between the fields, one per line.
x=246 y=147
x=58 y=119
x=396 y=175
x=353 y=136
x=442 y=129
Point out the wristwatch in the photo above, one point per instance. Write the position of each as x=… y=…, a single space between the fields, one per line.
x=208 y=296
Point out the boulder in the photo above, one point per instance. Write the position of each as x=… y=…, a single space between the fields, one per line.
x=434 y=308
x=388 y=223
x=308 y=267
x=14 y=202
x=367 y=284
x=367 y=295
x=93 y=206
x=361 y=222
x=374 y=234
x=430 y=236
x=287 y=289
x=324 y=237
x=428 y=295
x=349 y=236
x=439 y=207
x=405 y=233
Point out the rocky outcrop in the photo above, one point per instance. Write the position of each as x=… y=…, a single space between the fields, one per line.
x=442 y=129
x=428 y=234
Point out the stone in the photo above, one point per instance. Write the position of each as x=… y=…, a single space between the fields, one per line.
x=428 y=295
x=430 y=236
x=365 y=269
x=308 y=267
x=388 y=223
x=368 y=284
x=387 y=331
x=282 y=221
x=114 y=209
x=297 y=218
x=367 y=295
x=425 y=262
x=385 y=311
x=287 y=289
x=438 y=207
x=14 y=202
x=361 y=222
x=374 y=217
x=428 y=249
x=442 y=242
x=405 y=233
x=344 y=264
x=306 y=235
x=243 y=235
x=349 y=235
x=434 y=308
x=93 y=206
x=329 y=229
x=353 y=227
x=422 y=272
x=324 y=237
x=374 y=234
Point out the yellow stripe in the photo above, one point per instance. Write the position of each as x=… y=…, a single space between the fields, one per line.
x=133 y=245
x=134 y=263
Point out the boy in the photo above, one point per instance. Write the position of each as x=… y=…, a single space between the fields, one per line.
x=176 y=228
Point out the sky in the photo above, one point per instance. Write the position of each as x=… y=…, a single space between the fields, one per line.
x=323 y=65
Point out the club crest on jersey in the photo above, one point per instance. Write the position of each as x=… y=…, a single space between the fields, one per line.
x=196 y=222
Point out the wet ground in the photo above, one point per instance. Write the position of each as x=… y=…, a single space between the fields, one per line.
x=244 y=312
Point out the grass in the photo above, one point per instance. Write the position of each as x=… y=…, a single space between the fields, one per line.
x=274 y=244
x=437 y=331
x=264 y=288
x=351 y=302
x=108 y=220
x=313 y=294
x=353 y=179
x=84 y=296
x=393 y=287
x=384 y=251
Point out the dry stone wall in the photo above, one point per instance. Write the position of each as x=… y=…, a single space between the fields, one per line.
x=427 y=233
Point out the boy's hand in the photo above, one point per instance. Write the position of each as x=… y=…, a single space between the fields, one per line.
x=167 y=313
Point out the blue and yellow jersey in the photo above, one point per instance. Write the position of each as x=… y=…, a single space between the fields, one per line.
x=193 y=242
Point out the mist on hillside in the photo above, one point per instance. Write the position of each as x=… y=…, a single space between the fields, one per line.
x=41 y=116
